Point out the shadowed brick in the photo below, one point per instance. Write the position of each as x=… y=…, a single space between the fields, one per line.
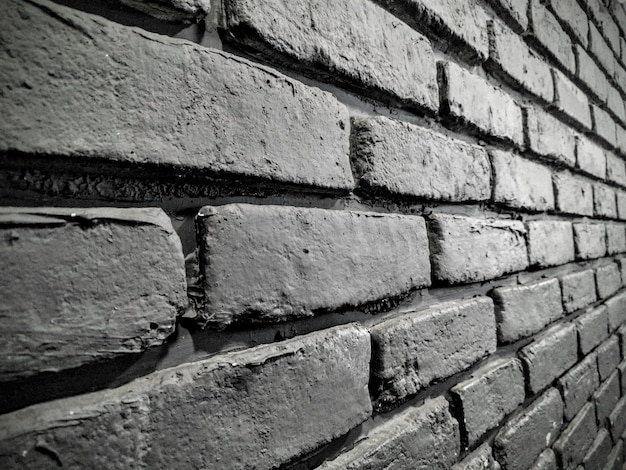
x=617 y=310
x=545 y=461
x=571 y=446
x=615 y=460
x=606 y=397
x=598 y=452
x=617 y=420
x=514 y=11
x=578 y=384
x=480 y=459
x=609 y=356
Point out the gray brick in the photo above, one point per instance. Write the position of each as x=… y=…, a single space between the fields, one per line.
x=321 y=378
x=548 y=33
x=609 y=29
x=617 y=310
x=601 y=50
x=549 y=356
x=571 y=446
x=593 y=328
x=545 y=461
x=621 y=138
x=589 y=240
x=480 y=459
x=570 y=100
x=393 y=157
x=192 y=11
x=549 y=137
x=621 y=263
x=599 y=451
x=66 y=298
x=524 y=310
x=411 y=351
x=521 y=183
x=573 y=194
x=609 y=356
x=590 y=74
x=620 y=76
x=608 y=280
x=615 y=238
x=604 y=125
x=513 y=11
x=615 y=460
x=604 y=201
x=270 y=263
x=622 y=340
x=617 y=420
x=615 y=103
x=360 y=44
x=579 y=290
x=578 y=384
x=590 y=157
x=219 y=114
x=550 y=242
x=528 y=433
x=421 y=438
x=487 y=397
x=606 y=397
x=622 y=374
x=462 y=248
x=615 y=169
x=621 y=204
x=471 y=100
x=573 y=17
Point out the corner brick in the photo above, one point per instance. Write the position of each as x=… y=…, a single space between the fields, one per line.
x=617 y=420
x=549 y=137
x=514 y=11
x=471 y=100
x=548 y=33
x=590 y=157
x=574 y=18
x=608 y=280
x=393 y=157
x=570 y=100
x=573 y=194
x=579 y=290
x=615 y=169
x=549 y=356
x=521 y=183
x=593 y=328
x=604 y=126
x=578 y=384
x=601 y=50
x=360 y=44
x=154 y=421
x=571 y=446
x=550 y=243
x=524 y=310
x=606 y=397
x=462 y=248
x=598 y=452
x=609 y=356
x=67 y=300
x=617 y=310
x=528 y=433
x=615 y=460
x=590 y=74
x=271 y=263
x=421 y=438
x=411 y=351
x=480 y=459
x=615 y=238
x=490 y=394
x=545 y=461
x=589 y=240
x=604 y=201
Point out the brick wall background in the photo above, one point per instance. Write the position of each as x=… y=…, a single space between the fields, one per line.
x=338 y=234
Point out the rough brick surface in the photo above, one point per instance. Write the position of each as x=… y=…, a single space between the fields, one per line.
x=606 y=397
x=590 y=157
x=411 y=351
x=480 y=459
x=392 y=157
x=549 y=137
x=321 y=378
x=549 y=356
x=550 y=242
x=590 y=74
x=521 y=183
x=608 y=280
x=421 y=438
x=598 y=452
x=617 y=420
x=269 y=263
x=578 y=384
x=579 y=290
x=545 y=461
x=525 y=310
x=621 y=204
x=589 y=240
x=609 y=356
x=359 y=43
x=604 y=201
x=514 y=11
x=218 y=113
x=615 y=103
x=570 y=100
x=573 y=194
x=64 y=289
x=593 y=328
x=490 y=394
x=528 y=433
x=601 y=50
x=617 y=310
x=604 y=125
x=571 y=446
x=471 y=100
x=186 y=11
x=615 y=460
x=615 y=238
x=548 y=32
x=574 y=18
x=462 y=248
x=615 y=169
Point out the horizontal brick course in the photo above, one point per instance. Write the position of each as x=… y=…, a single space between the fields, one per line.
x=550 y=243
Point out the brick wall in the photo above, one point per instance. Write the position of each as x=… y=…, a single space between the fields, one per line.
x=337 y=234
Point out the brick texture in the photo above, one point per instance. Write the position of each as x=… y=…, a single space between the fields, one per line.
x=573 y=194
x=589 y=240
x=578 y=384
x=571 y=447
x=550 y=243
x=481 y=458
x=579 y=290
x=570 y=100
x=590 y=157
x=549 y=137
x=550 y=35
x=592 y=328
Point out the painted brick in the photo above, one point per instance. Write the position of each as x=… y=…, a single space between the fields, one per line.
x=590 y=157
x=617 y=420
x=620 y=204
x=60 y=269
x=578 y=384
x=615 y=238
x=570 y=100
x=593 y=328
x=480 y=459
x=549 y=137
x=219 y=114
x=604 y=125
x=601 y=50
x=604 y=201
x=524 y=310
x=615 y=169
x=589 y=240
x=545 y=461
x=598 y=452
x=487 y=397
x=573 y=17
x=513 y=61
x=615 y=460
x=579 y=290
x=528 y=433
x=549 y=356
x=270 y=263
x=608 y=280
x=590 y=74
x=550 y=35
x=393 y=157
x=550 y=242
x=573 y=194
x=617 y=310
x=606 y=397
x=513 y=11
x=421 y=438
x=411 y=351
x=462 y=248
x=359 y=43
x=571 y=446
x=321 y=378
x=615 y=103
x=609 y=356
x=521 y=183
x=471 y=100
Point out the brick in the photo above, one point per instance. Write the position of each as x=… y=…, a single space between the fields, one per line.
x=620 y=204
x=590 y=74
x=269 y=263
x=615 y=103
x=622 y=374
x=590 y=157
x=393 y=157
x=578 y=384
x=617 y=310
x=615 y=460
x=154 y=421
x=426 y=437
x=609 y=29
x=604 y=201
x=524 y=310
x=550 y=35
x=462 y=248
x=620 y=77
x=608 y=280
x=549 y=137
x=579 y=290
x=601 y=50
x=361 y=45
x=512 y=60
x=604 y=125
x=606 y=397
x=571 y=446
x=219 y=114
x=621 y=262
x=521 y=183
x=593 y=328
x=471 y=100
x=487 y=397
x=64 y=289
x=570 y=100
x=480 y=459
x=598 y=452
x=172 y=11
x=545 y=461
x=615 y=169
x=615 y=238
x=617 y=420
x=550 y=243
x=573 y=194
x=411 y=351
x=573 y=18
x=513 y=11
x=549 y=356
x=528 y=433
x=621 y=139
x=609 y=356
x=589 y=240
